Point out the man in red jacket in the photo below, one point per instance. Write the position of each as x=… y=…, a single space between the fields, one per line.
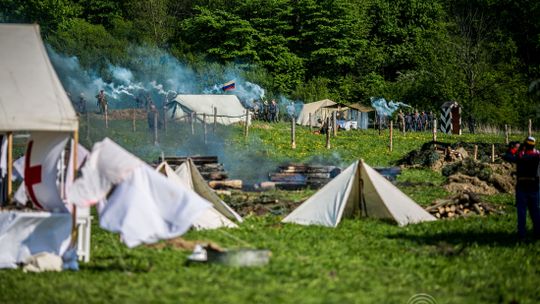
x=527 y=160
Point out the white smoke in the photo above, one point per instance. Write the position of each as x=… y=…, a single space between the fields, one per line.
x=384 y=108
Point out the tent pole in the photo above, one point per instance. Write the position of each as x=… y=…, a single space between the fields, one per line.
x=9 y=164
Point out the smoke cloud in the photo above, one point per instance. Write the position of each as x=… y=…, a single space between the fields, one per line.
x=384 y=108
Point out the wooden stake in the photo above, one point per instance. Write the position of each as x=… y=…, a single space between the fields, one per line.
x=106 y=118
x=9 y=164
x=475 y=152
x=334 y=123
x=74 y=231
x=327 y=132
x=88 y=125
x=434 y=130
x=506 y=141
x=310 y=122
x=492 y=153
x=133 y=124
x=391 y=135
x=246 y=127
x=191 y=118
x=165 y=118
x=204 y=126
x=215 y=120
x=530 y=127
x=293 y=133
x=155 y=128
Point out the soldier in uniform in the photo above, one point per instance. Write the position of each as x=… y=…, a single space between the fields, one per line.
x=102 y=102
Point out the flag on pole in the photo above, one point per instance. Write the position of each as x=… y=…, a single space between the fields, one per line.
x=228 y=86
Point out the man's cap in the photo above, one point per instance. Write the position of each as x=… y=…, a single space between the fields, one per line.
x=530 y=140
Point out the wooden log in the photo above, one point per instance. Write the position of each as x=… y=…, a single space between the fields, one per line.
x=506 y=140
x=475 y=152
x=232 y=183
x=215 y=175
x=477 y=208
x=440 y=203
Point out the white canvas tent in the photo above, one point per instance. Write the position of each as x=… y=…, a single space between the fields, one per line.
x=228 y=108
x=317 y=110
x=31 y=99
x=358 y=190
x=220 y=215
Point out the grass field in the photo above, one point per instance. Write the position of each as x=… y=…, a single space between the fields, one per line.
x=466 y=260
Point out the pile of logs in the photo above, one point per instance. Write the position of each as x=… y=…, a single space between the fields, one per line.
x=211 y=170
x=298 y=176
x=463 y=204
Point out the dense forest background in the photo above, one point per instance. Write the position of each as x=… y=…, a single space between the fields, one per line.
x=485 y=54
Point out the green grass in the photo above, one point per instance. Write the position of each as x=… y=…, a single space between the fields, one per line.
x=464 y=260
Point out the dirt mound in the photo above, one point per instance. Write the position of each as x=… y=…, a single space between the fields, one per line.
x=479 y=177
x=461 y=183
x=261 y=203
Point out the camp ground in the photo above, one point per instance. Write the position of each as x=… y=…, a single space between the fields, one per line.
x=99 y=207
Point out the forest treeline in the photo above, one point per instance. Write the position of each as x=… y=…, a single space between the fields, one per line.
x=485 y=54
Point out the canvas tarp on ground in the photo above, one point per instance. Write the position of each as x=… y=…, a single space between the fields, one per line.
x=358 y=190
x=317 y=110
x=220 y=215
x=31 y=95
x=229 y=108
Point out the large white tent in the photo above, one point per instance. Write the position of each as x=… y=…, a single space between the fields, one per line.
x=31 y=95
x=220 y=215
x=317 y=110
x=31 y=99
x=358 y=191
x=228 y=108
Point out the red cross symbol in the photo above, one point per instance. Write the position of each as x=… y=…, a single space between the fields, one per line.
x=32 y=175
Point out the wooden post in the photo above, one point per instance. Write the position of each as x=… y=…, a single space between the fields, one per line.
x=133 y=123
x=434 y=130
x=204 y=126
x=106 y=118
x=74 y=230
x=155 y=128
x=380 y=124
x=215 y=120
x=506 y=141
x=9 y=164
x=391 y=135
x=191 y=118
x=327 y=132
x=165 y=118
x=475 y=152
x=492 y=153
x=88 y=125
x=246 y=127
x=334 y=123
x=310 y=122
x=530 y=127
x=293 y=133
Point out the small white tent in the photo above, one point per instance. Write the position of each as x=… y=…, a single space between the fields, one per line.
x=220 y=215
x=358 y=190
x=228 y=108
x=317 y=110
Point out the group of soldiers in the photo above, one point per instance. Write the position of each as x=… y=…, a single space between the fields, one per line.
x=80 y=103
x=417 y=121
x=270 y=112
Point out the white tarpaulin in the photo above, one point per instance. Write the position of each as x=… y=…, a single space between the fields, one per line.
x=228 y=108
x=31 y=96
x=358 y=190
x=144 y=205
x=317 y=111
x=211 y=218
x=40 y=170
x=23 y=234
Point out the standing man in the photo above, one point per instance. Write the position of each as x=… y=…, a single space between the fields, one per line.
x=82 y=104
x=102 y=102
x=527 y=160
x=272 y=109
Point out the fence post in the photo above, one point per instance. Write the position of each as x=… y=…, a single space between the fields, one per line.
x=475 y=152
x=530 y=127
x=215 y=120
x=391 y=135
x=434 y=130
x=133 y=123
x=106 y=118
x=165 y=117
x=191 y=118
x=492 y=153
x=334 y=123
x=310 y=123
x=506 y=141
x=88 y=125
x=246 y=128
x=327 y=132
x=204 y=126
x=155 y=128
x=293 y=133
